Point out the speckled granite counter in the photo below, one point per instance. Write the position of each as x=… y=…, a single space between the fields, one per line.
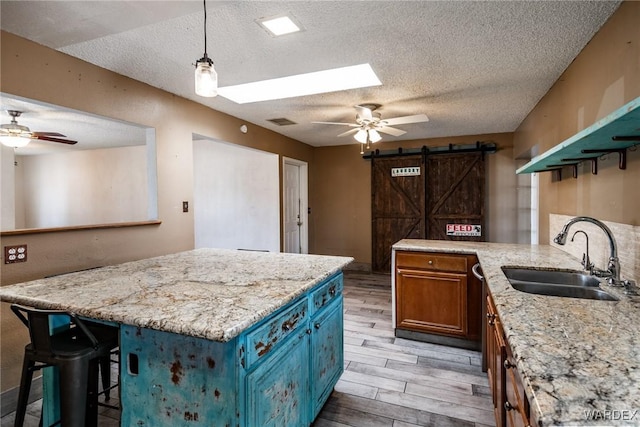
x=207 y=293
x=575 y=355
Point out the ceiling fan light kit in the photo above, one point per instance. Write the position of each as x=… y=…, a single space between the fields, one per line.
x=14 y=135
x=206 y=77
x=369 y=124
x=17 y=136
x=14 y=141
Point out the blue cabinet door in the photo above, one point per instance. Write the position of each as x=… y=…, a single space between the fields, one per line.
x=171 y=380
x=278 y=389
x=327 y=353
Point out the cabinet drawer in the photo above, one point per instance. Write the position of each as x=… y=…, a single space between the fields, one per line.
x=267 y=338
x=432 y=261
x=326 y=293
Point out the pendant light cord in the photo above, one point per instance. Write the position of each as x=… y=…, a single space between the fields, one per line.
x=205 y=27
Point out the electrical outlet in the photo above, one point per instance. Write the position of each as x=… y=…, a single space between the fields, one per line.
x=13 y=254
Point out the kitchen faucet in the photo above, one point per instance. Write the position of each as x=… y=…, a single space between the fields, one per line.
x=613 y=269
x=586 y=261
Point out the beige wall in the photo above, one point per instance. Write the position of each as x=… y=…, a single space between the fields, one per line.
x=33 y=71
x=602 y=78
x=341 y=194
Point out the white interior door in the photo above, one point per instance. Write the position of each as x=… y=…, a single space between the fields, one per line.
x=295 y=206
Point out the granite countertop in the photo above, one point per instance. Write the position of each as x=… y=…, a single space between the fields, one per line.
x=576 y=356
x=208 y=293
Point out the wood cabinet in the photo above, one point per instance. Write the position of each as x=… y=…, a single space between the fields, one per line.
x=496 y=355
x=279 y=372
x=510 y=405
x=436 y=293
x=516 y=404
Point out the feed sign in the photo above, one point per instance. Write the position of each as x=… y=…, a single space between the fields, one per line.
x=464 y=230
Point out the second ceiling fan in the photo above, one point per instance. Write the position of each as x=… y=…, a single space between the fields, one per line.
x=15 y=135
x=369 y=124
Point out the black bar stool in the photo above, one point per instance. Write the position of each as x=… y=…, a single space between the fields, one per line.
x=77 y=352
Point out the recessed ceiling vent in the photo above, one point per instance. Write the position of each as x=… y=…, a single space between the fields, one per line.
x=282 y=122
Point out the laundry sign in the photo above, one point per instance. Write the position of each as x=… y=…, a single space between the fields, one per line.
x=464 y=230
x=407 y=171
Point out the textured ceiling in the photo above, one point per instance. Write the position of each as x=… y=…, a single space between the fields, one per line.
x=472 y=67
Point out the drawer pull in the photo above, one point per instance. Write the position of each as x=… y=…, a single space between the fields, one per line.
x=430 y=262
x=508 y=365
x=317 y=326
x=491 y=318
x=508 y=406
x=286 y=327
x=332 y=292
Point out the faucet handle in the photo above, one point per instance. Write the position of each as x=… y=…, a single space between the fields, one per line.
x=586 y=263
x=630 y=287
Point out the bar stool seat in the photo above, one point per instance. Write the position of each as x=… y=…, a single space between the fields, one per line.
x=77 y=352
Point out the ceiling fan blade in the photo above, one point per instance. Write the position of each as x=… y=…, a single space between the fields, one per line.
x=418 y=118
x=336 y=123
x=390 y=130
x=349 y=132
x=52 y=139
x=48 y=134
x=364 y=113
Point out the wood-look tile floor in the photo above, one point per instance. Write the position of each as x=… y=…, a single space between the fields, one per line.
x=388 y=381
x=394 y=382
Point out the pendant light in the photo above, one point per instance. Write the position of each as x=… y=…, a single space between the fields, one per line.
x=206 y=76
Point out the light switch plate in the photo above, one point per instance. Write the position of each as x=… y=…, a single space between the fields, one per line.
x=13 y=254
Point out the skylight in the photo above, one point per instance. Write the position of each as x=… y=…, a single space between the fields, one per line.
x=333 y=80
x=280 y=25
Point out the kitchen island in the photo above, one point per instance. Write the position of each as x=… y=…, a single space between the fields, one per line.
x=212 y=337
x=579 y=359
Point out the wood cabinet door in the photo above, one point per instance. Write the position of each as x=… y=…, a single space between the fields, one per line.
x=432 y=302
x=454 y=194
x=278 y=389
x=397 y=207
x=496 y=355
x=327 y=354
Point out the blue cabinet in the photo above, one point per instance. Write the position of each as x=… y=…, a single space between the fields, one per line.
x=327 y=355
x=277 y=390
x=279 y=372
x=174 y=380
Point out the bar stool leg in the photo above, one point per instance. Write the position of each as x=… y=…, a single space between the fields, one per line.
x=91 y=415
x=105 y=373
x=25 y=387
x=74 y=376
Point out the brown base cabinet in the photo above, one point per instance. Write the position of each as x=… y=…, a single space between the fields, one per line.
x=436 y=293
x=510 y=404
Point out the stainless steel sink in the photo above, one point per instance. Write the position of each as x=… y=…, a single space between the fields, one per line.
x=559 y=283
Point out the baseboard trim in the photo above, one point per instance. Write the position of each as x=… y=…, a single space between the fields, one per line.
x=9 y=398
x=438 y=339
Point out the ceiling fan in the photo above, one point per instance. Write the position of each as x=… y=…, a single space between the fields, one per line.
x=369 y=124
x=15 y=135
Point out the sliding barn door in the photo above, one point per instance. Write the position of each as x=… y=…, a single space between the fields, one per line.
x=397 y=202
x=455 y=197
x=438 y=198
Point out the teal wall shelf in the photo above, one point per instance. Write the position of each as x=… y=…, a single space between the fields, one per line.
x=612 y=134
